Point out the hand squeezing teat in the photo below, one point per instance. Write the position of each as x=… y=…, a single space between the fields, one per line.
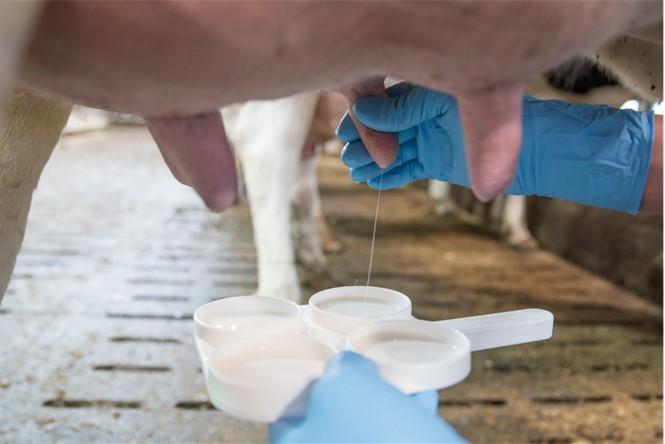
x=590 y=154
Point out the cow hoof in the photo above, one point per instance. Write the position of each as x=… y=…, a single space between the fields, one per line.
x=332 y=246
x=443 y=208
x=522 y=243
x=310 y=260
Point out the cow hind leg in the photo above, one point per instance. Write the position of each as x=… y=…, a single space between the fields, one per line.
x=306 y=205
x=514 y=223
x=313 y=236
x=29 y=131
x=439 y=192
x=310 y=228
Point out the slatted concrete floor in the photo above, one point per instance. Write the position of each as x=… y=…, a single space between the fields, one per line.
x=96 y=325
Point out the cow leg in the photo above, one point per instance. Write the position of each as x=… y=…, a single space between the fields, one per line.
x=28 y=133
x=312 y=236
x=306 y=206
x=330 y=243
x=268 y=172
x=514 y=223
x=439 y=192
x=269 y=137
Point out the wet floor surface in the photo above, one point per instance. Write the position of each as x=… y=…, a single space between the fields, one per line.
x=96 y=324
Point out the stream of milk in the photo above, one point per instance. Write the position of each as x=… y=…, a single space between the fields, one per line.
x=376 y=219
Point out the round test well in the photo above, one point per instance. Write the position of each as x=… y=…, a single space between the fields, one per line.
x=239 y=316
x=343 y=308
x=415 y=356
x=257 y=378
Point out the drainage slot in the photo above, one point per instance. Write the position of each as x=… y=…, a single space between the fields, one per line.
x=618 y=367
x=571 y=399
x=160 y=281
x=236 y=257
x=91 y=403
x=229 y=269
x=508 y=368
x=551 y=440
x=160 y=297
x=166 y=268
x=23 y=276
x=49 y=252
x=194 y=405
x=167 y=317
x=492 y=402
x=646 y=397
x=182 y=257
x=144 y=339
x=131 y=368
x=488 y=402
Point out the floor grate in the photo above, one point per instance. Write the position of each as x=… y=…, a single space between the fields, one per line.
x=91 y=404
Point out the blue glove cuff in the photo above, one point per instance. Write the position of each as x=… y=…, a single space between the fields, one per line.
x=593 y=155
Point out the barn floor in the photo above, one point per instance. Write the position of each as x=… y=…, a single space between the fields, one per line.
x=96 y=326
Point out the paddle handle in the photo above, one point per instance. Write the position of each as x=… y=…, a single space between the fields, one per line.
x=504 y=329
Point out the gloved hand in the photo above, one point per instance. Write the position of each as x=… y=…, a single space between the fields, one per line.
x=590 y=154
x=351 y=403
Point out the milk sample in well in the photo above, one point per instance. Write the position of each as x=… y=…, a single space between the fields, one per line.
x=408 y=351
x=274 y=372
x=249 y=321
x=360 y=306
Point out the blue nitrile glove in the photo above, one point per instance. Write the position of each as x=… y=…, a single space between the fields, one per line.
x=590 y=154
x=351 y=403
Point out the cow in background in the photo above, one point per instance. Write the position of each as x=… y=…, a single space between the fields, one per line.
x=278 y=144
